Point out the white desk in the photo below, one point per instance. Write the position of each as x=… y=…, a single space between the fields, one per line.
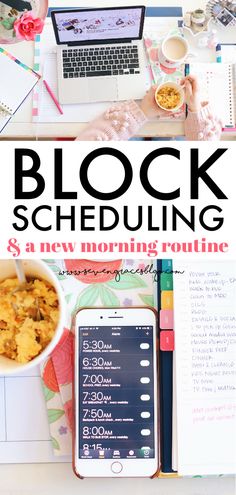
x=50 y=479
x=58 y=479
x=21 y=126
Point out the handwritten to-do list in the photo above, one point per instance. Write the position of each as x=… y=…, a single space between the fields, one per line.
x=205 y=372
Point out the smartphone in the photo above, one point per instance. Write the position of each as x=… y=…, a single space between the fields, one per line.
x=115 y=393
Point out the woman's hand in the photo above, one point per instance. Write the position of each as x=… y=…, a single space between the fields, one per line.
x=192 y=93
x=149 y=106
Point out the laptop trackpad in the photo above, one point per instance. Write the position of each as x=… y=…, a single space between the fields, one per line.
x=102 y=89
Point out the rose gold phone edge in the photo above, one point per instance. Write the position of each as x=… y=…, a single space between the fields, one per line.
x=156 y=395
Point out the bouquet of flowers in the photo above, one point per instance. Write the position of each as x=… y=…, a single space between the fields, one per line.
x=21 y=19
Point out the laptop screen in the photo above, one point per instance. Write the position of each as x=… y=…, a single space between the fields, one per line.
x=98 y=25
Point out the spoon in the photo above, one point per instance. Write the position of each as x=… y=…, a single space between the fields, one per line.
x=20 y=271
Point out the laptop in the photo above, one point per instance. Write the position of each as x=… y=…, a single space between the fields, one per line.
x=100 y=54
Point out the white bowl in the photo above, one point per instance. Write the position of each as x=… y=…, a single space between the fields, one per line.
x=36 y=269
x=178 y=88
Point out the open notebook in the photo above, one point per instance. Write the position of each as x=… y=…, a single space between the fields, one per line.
x=204 y=405
x=16 y=82
x=204 y=392
x=218 y=86
x=196 y=302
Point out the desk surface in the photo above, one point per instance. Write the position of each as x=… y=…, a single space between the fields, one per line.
x=51 y=479
x=21 y=126
x=58 y=479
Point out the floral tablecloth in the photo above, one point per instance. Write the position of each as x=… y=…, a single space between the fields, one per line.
x=159 y=73
x=102 y=289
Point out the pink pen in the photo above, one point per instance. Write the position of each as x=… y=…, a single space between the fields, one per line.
x=53 y=96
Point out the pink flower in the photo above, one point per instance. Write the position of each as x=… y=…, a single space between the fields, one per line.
x=91 y=272
x=49 y=376
x=141 y=266
x=148 y=43
x=27 y=26
x=68 y=407
x=167 y=70
x=153 y=54
x=62 y=358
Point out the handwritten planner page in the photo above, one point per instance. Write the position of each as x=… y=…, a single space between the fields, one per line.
x=216 y=83
x=205 y=351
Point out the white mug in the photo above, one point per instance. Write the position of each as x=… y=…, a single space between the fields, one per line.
x=174 y=51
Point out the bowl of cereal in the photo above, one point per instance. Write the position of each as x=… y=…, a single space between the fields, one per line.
x=169 y=96
x=32 y=315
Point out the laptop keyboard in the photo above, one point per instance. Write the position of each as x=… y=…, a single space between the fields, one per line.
x=100 y=61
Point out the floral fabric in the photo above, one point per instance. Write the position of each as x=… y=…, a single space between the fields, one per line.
x=85 y=289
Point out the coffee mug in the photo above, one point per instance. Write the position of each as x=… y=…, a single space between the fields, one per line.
x=173 y=51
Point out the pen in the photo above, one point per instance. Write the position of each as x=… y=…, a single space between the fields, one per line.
x=53 y=96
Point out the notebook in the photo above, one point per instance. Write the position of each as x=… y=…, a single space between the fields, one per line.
x=218 y=86
x=165 y=327
x=226 y=53
x=197 y=315
x=16 y=82
x=204 y=402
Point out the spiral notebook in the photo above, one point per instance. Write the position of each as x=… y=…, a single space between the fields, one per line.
x=218 y=86
x=16 y=82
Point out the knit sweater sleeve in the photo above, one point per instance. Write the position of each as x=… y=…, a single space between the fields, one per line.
x=120 y=122
x=203 y=125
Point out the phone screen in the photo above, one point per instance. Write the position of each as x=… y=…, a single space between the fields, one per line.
x=116 y=392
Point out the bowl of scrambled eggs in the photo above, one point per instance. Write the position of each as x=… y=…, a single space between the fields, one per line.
x=169 y=96
x=32 y=315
